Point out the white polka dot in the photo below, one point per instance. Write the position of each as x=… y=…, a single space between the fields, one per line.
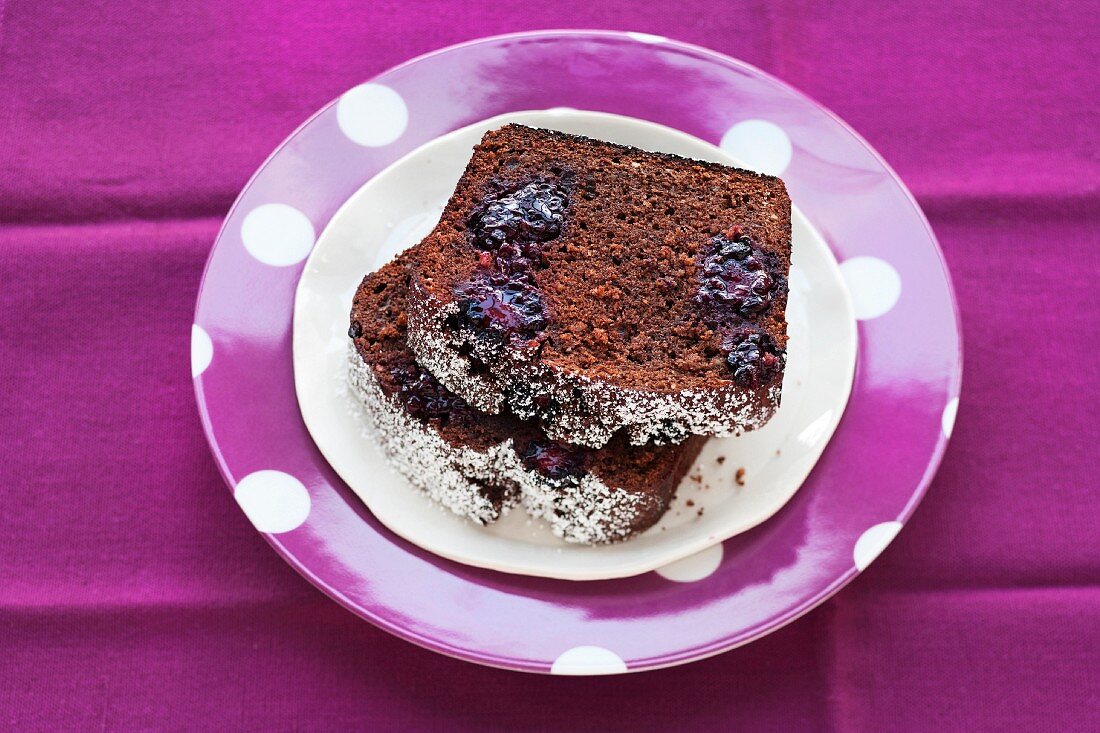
x=759 y=145
x=646 y=37
x=277 y=234
x=948 y=420
x=693 y=567
x=874 y=541
x=274 y=501
x=874 y=284
x=202 y=350
x=405 y=234
x=372 y=115
x=588 y=660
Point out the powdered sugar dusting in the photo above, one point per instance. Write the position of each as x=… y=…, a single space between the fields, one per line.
x=587 y=510
x=423 y=457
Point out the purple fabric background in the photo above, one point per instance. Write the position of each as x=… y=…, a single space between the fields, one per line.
x=135 y=595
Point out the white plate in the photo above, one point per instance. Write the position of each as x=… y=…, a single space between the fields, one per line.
x=400 y=206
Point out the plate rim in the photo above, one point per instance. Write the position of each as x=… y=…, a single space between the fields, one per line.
x=678 y=657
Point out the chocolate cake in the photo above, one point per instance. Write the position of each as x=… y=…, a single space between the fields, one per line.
x=596 y=287
x=480 y=465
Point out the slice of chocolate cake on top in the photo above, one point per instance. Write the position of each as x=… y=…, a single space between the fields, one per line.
x=597 y=287
x=480 y=465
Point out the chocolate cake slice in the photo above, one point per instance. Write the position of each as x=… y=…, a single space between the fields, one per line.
x=596 y=287
x=481 y=465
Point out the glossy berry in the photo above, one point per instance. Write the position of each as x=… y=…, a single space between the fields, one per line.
x=735 y=279
x=534 y=213
x=753 y=358
x=514 y=259
x=552 y=459
x=355 y=331
x=736 y=250
x=501 y=307
x=502 y=300
x=426 y=399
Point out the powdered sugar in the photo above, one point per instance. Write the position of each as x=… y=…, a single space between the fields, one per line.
x=426 y=459
x=585 y=510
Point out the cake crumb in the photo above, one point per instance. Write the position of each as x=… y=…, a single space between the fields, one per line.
x=777 y=451
x=739 y=477
x=689 y=502
x=700 y=512
x=720 y=460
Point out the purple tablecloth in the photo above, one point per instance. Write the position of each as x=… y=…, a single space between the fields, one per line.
x=134 y=594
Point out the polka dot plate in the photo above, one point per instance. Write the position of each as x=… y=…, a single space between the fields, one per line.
x=718 y=499
x=866 y=484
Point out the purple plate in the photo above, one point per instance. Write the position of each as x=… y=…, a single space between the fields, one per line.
x=867 y=483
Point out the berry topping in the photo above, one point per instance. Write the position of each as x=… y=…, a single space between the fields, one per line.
x=552 y=459
x=426 y=399
x=753 y=358
x=534 y=213
x=355 y=331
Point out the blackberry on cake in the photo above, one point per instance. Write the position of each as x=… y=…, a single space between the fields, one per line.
x=481 y=465
x=598 y=288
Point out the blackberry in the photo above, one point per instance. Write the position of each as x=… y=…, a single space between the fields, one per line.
x=552 y=459
x=496 y=306
x=735 y=280
x=534 y=213
x=426 y=399
x=754 y=358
